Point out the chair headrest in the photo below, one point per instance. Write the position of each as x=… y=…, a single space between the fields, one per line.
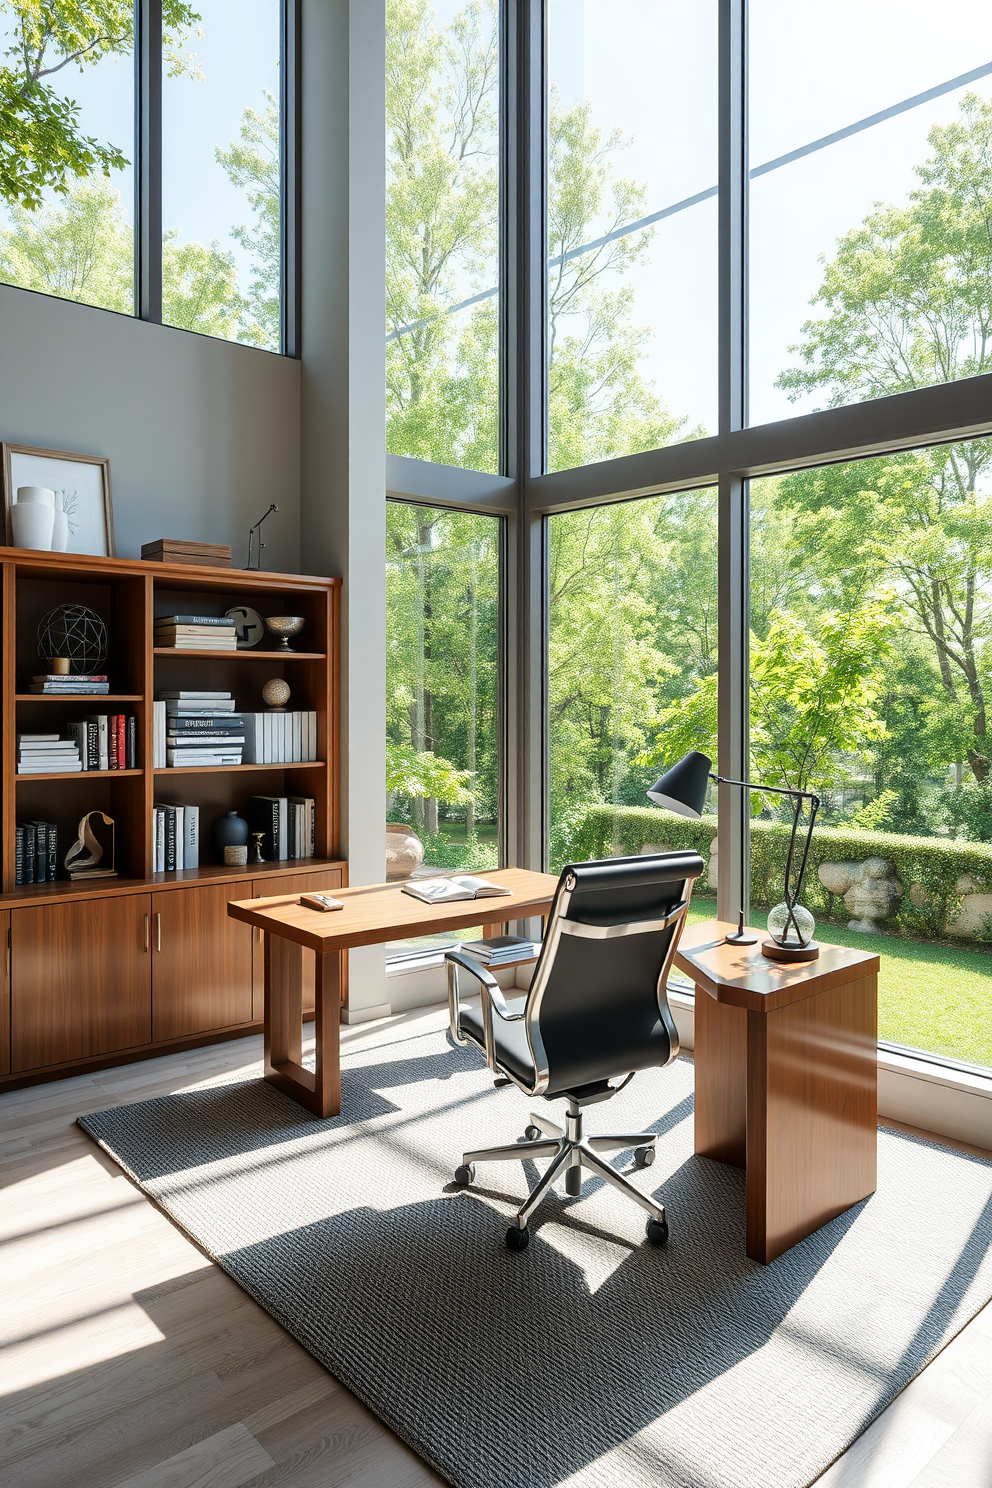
x=641 y=872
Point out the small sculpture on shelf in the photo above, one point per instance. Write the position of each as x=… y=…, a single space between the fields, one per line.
x=276 y=693
x=258 y=838
x=75 y=632
x=284 y=626
x=85 y=857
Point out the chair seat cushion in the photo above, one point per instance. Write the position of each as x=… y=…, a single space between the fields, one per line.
x=512 y=1049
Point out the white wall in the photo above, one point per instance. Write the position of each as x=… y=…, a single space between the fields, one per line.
x=201 y=434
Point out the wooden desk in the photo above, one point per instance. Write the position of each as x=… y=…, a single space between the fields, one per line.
x=786 y=1079
x=372 y=915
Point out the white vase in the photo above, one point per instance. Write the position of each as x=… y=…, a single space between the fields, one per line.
x=32 y=525
x=60 y=531
x=35 y=495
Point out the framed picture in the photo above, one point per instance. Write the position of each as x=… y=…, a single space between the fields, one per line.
x=82 y=488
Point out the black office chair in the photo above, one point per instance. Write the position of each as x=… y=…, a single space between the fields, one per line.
x=597 y=1009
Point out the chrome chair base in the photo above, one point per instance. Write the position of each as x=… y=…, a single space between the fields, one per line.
x=570 y=1152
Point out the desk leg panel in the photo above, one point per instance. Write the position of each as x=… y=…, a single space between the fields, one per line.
x=812 y=1076
x=720 y=1058
x=330 y=972
x=283 y=1019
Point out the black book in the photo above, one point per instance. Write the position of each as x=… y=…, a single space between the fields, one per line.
x=231 y=723
x=18 y=855
x=40 y=851
x=265 y=818
x=53 y=852
x=170 y=839
x=28 y=853
x=92 y=746
x=132 y=741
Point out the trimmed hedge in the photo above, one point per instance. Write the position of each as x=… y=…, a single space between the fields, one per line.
x=931 y=862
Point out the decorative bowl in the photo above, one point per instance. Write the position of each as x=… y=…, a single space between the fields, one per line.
x=284 y=626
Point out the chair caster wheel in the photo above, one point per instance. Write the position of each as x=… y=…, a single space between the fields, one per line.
x=573 y=1182
x=465 y=1174
x=644 y=1156
x=657 y=1231
x=532 y=1132
x=517 y=1239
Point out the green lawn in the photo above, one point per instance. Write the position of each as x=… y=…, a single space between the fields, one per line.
x=932 y=997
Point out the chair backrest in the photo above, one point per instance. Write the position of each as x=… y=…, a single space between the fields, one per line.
x=598 y=1001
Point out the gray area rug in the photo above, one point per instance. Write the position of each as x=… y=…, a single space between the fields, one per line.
x=590 y=1359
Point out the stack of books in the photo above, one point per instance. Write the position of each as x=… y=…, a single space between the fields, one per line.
x=196 y=633
x=36 y=852
x=107 y=741
x=501 y=950
x=87 y=684
x=176 y=838
x=46 y=754
x=197 y=729
x=287 y=823
x=280 y=738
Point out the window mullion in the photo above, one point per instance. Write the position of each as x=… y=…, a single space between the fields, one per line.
x=148 y=174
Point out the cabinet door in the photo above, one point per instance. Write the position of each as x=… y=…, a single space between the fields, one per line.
x=201 y=962
x=80 y=980
x=324 y=882
x=5 y=994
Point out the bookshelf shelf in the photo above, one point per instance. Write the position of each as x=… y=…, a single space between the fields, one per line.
x=234 y=769
x=187 y=651
x=78 y=775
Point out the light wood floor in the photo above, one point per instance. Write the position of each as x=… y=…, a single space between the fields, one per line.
x=130 y=1361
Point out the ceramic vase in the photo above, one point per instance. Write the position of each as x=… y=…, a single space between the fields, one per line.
x=35 y=496
x=60 y=531
x=404 y=851
x=32 y=524
x=231 y=840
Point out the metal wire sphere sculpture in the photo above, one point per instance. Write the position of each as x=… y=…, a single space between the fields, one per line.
x=75 y=631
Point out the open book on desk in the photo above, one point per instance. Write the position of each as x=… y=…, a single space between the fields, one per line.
x=450 y=890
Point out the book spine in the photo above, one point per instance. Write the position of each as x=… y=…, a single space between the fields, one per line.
x=132 y=741
x=180 y=837
x=53 y=851
x=40 y=852
x=191 y=833
x=159 y=840
x=112 y=742
x=159 y=716
x=283 y=827
x=121 y=742
x=18 y=855
x=29 y=840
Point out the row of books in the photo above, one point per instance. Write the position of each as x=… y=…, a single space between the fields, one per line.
x=205 y=729
x=287 y=824
x=50 y=684
x=36 y=852
x=196 y=632
x=101 y=741
x=175 y=838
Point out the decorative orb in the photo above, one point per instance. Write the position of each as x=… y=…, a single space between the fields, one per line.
x=76 y=632
x=802 y=918
x=276 y=692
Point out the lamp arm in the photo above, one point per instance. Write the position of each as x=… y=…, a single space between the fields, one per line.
x=775 y=790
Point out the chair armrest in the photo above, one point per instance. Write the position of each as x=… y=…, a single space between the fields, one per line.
x=492 y=997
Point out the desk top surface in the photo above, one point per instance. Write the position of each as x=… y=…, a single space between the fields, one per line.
x=375 y=913
x=741 y=975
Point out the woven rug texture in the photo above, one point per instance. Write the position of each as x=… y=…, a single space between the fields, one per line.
x=591 y=1359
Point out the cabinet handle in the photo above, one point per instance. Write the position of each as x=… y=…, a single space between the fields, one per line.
x=158 y=932
x=8 y=956
x=146 y=932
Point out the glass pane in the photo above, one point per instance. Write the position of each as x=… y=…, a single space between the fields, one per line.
x=871 y=684
x=442 y=693
x=869 y=255
x=632 y=226
x=221 y=177
x=442 y=232
x=632 y=674
x=66 y=185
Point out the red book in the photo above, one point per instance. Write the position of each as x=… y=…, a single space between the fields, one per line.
x=112 y=741
x=121 y=742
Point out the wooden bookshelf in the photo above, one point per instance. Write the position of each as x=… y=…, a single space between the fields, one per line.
x=53 y=1014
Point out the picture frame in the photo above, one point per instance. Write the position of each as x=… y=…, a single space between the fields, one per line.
x=84 y=482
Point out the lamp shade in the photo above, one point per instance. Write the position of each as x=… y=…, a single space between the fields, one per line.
x=683 y=788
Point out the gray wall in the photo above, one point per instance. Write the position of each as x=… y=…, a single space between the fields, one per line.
x=201 y=434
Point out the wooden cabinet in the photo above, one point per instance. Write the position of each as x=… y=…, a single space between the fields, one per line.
x=288 y=883
x=201 y=962
x=5 y=994
x=80 y=979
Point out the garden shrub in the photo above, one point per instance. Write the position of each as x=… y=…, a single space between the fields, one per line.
x=933 y=863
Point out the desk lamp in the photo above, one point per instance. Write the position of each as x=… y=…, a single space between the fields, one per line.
x=682 y=789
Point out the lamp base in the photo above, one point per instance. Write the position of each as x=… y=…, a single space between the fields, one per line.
x=776 y=952
x=740 y=937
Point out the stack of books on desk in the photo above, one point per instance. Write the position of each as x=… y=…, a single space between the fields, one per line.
x=46 y=754
x=197 y=729
x=89 y=684
x=501 y=950
x=196 y=633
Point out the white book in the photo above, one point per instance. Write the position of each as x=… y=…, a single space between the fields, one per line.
x=180 y=759
x=297 y=736
x=180 y=837
x=201 y=707
x=61 y=767
x=158 y=710
x=266 y=739
x=287 y=738
x=38 y=739
x=191 y=837
x=283 y=827
x=102 y=722
x=189 y=694
x=448 y=890
x=312 y=716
